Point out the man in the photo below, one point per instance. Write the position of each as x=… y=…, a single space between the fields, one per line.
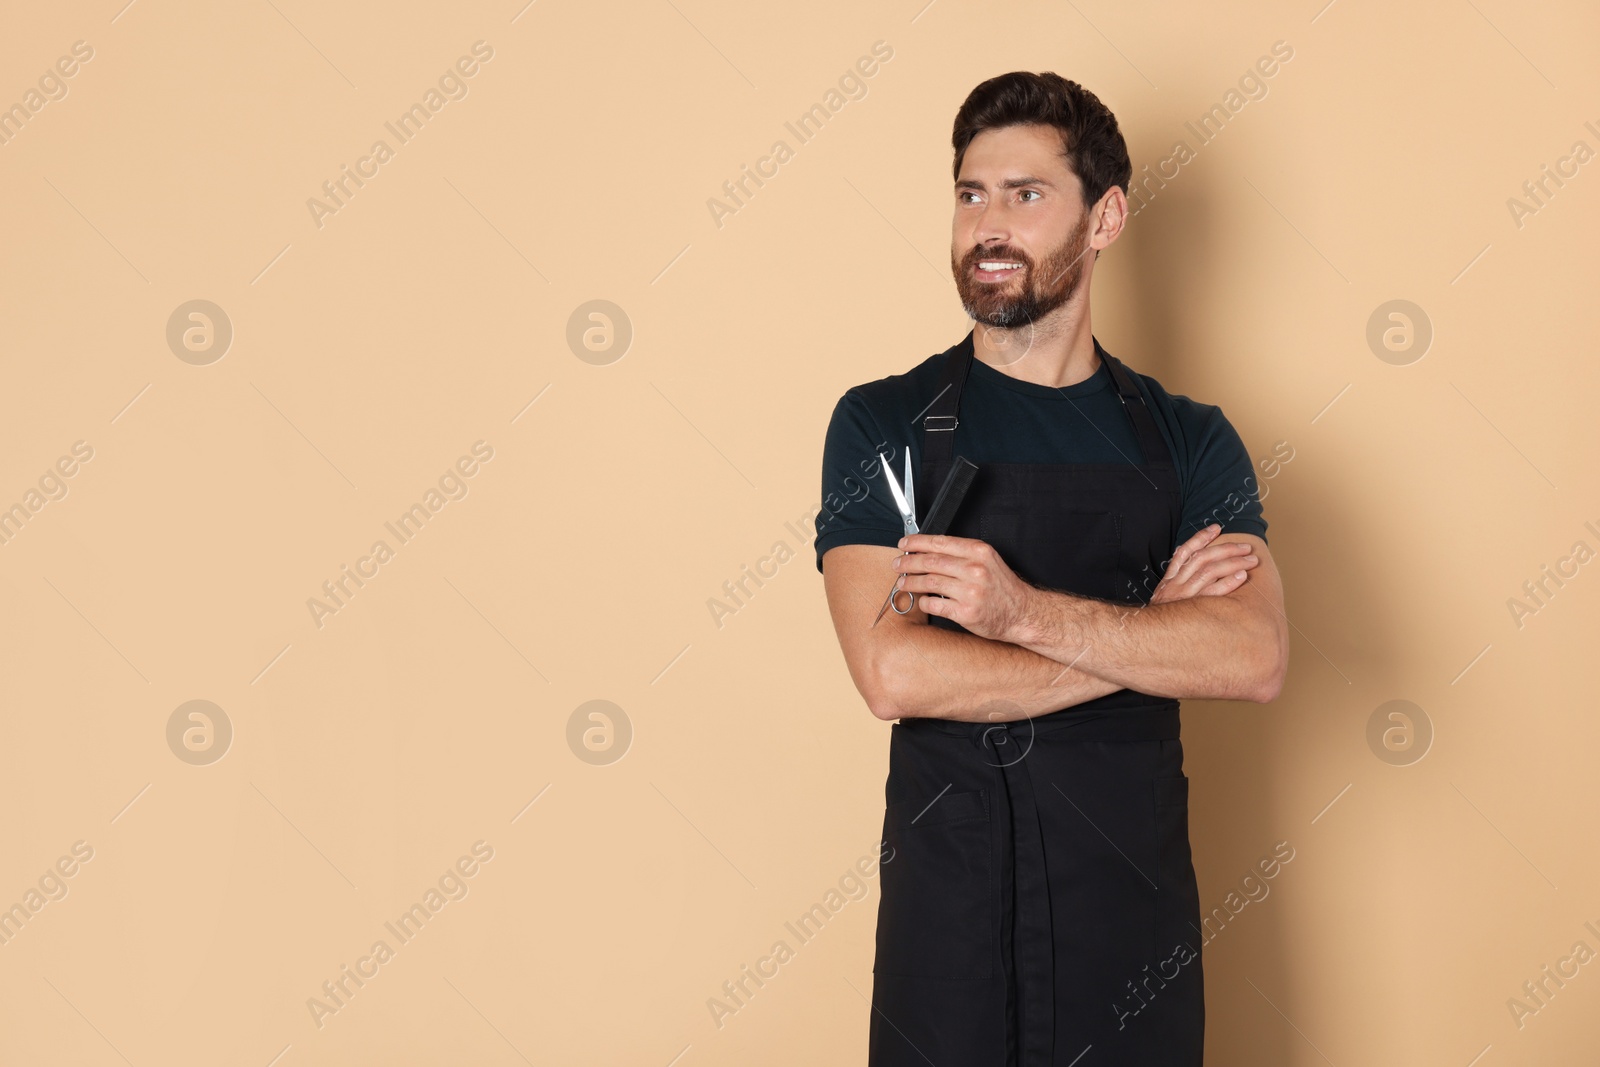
x=1039 y=901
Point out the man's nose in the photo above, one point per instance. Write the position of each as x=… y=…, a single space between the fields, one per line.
x=993 y=223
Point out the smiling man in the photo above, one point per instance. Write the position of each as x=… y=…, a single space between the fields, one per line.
x=1038 y=893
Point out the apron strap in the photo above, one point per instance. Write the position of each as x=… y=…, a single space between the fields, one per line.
x=1144 y=425
x=939 y=424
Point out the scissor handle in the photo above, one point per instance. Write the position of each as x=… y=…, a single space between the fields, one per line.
x=911 y=601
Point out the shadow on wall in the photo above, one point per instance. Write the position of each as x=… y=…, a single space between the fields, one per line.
x=1233 y=750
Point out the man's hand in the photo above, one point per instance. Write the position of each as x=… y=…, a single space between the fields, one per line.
x=971 y=585
x=1200 y=568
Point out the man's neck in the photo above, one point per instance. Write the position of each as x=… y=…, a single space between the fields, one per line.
x=1055 y=351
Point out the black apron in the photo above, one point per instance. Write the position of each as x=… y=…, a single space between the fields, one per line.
x=1039 y=901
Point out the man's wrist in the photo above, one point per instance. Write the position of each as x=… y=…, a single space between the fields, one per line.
x=1049 y=622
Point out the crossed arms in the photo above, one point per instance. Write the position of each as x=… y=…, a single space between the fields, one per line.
x=1207 y=633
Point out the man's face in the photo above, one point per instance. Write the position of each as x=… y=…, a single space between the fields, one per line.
x=1017 y=202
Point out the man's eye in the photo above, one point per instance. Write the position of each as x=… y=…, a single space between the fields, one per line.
x=1035 y=192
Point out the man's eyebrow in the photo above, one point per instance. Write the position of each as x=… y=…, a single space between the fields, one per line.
x=1009 y=183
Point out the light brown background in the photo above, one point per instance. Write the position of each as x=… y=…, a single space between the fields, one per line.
x=427 y=314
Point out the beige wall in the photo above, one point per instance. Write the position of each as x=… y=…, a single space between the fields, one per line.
x=371 y=349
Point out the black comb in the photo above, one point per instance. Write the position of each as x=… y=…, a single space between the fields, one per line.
x=943 y=510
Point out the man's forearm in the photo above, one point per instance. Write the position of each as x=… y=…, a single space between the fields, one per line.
x=1205 y=647
x=943 y=674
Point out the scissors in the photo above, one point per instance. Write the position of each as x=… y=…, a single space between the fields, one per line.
x=907 y=503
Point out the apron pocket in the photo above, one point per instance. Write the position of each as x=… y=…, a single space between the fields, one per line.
x=936 y=916
x=1172 y=832
x=1172 y=792
x=1071 y=551
x=1178 y=895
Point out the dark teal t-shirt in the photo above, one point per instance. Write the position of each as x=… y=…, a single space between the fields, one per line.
x=1007 y=420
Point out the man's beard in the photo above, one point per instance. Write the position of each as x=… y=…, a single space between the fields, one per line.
x=1045 y=286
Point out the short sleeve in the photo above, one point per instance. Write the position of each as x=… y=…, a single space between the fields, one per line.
x=856 y=507
x=1222 y=484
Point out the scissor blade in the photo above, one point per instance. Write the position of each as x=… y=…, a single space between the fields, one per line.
x=911 y=498
x=885 y=606
x=906 y=513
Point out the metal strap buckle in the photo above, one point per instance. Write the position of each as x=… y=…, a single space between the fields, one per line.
x=927 y=422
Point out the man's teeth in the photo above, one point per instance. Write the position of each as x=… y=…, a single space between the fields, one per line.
x=990 y=264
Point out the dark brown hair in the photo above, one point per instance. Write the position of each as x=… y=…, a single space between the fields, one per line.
x=1091 y=142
